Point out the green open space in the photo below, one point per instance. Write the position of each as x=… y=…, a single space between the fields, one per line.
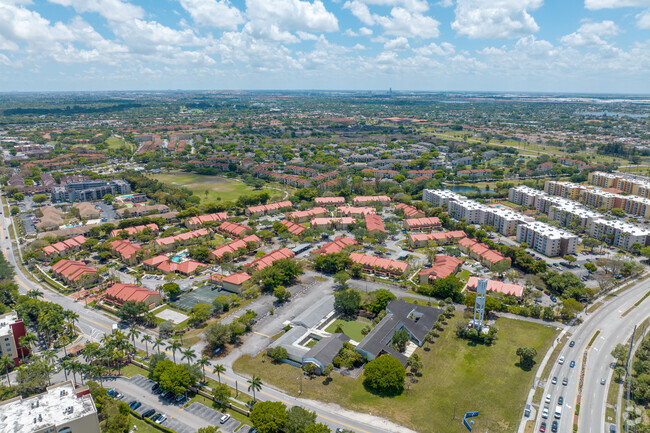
x=141 y=426
x=457 y=376
x=131 y=370
x=351 y=328
x=214 y=188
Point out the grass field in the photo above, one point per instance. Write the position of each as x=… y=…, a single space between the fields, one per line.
x=217 y=187
x=351 y=328
x=141 y=426
x=131 y=370
x=457 y=375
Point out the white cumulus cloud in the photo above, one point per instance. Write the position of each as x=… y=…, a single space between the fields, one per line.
x=495 y=19
x=397 y=44
x=115 y=10
x=293 y=14
x=611 y=4
x=591 y=34
x=400 y=22
x=643 y=20
x=214 y=13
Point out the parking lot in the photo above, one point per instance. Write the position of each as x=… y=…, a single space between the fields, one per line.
x=180 y=419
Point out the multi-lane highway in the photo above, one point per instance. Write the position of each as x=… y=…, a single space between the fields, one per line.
x=614 y=329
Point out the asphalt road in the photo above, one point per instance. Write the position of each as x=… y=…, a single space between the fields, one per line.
x=614 y=329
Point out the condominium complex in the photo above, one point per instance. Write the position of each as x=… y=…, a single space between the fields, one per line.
x=547 y=239
x=441 y=197
x=619 y=233
x=60 y=409
x=89 y=190
x=627 y=183
x=524 y=195
x=12 y=329
x=568 y=190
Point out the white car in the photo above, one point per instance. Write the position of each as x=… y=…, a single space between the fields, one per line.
x=545 y=413
x=561 y=360
x=224 y=419
x=162 y=419
x=548 y=399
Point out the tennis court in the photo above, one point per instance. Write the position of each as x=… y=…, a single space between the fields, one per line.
x=201 y=295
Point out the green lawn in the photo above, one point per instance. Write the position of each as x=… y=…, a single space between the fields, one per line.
x=217 y=187
x=131 y=370
x=115 y=143
x=351 y=328
x=142 y=427
x=464 y=275
x=457 y=374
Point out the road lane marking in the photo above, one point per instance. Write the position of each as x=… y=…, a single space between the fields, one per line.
x=263 y=335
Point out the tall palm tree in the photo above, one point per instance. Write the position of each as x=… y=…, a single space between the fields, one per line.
x=71 y=317
x=34 y=293
x=149 y=318
x=175 y=346
x=202 y=362
x=158 y=343
x=255 y=385
x=219 y=368
x=26 y=342
x=189 y=355
x=117 y=358
x=100 y=370
x=65 y=366
x=146 y=338
x=133 y=332
x=7 y=363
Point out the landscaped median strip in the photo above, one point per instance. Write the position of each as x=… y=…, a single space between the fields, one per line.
x=581 y=380
x=636 y=304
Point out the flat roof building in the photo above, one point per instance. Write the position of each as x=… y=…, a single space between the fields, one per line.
x=547 y=239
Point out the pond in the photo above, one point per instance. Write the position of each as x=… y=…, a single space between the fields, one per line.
x=611 y=113
x=464 y=189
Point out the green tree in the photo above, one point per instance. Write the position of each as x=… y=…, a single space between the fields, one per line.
x=281 y=294
x=39 y=198
x=400 y=339
x=620 y=354
x=15 y=210
x=526 y=357
x=268 y=416
x=619 y=372
x=347 y=302
x=255 y=384
x=298 y=419
x=415 y=363
x=217 y=335
x=332 y=263
x=279 y=353
x=132 y=310
x=199 y=313
x=381 y=298
x=318 y=428
x=590 y=267
x=208 y=429
x=175 y=346
x=341 y=278
x=219 y=369
x=172 y=377
x=6 y=364
x=172 y=290
x=222 y=394
x=385 y=374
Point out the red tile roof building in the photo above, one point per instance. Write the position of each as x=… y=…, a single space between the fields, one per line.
x=339 y=223
x=301 y=216
x=410 y=211
x=233 y=229
x=421 y=240
x=233 y=247
x=125 y=250
x=330 y=201
x=293 y=228
x=443 y=266
x=171 y=241
x=269 y=259
x=136 y=229
x=268 y=209
x=497 y=286
x=74 y=272
x=63 y=248
x=429 y=223
x=374 y=224
x=478 y=172
x=119 y=293
x=380 y=265
x=336 y=246
x=371 y=199
x=357 y=212
x=197 y=221
x=482 y=252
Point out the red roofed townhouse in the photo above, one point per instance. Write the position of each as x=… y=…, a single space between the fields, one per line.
x=422 y=224
x=293 y=228
x=410 y=211
x=136 y=229
x=119 y=293
x=188 y=267
x=301 y=216
x=374 y=224
x=63 y=248
x=357 y=212
x=269 y=259
x=478 y=172
x=198 y=221
x=75 y=273
x=234 y=282
x=421 y=240
x=330 y=201
x=380 y=265
x=153 y=263
x=171 y=242
x=443 y=266
x=326 y=223
x=234 y=248
x=268 y=209
x=336 y=246
x=496 y=286
x=482 y=253
x=421 y=173
x=361 y=200
x=547 y=166
x=233 y=229
x=127 y=251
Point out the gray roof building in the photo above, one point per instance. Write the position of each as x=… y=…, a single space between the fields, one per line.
x=325 y=350
x=316 y=313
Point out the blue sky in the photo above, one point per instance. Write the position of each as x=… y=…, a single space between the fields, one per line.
x=595 y=46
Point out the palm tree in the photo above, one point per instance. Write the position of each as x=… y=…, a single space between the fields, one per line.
x=158 y=343
x=219 y=368
x=100 y=370
x=65 y=365
x=34 y=293
x=149 y=318
x=133 y=332
x=189 y=355
x=255 y=385
x=174 y=346
x=6 y=363
x=146 y=338
x=71 y=317
x=202 y=363
x=26 y=342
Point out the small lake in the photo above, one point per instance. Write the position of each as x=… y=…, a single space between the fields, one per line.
x=463 y=189
x=612 y=113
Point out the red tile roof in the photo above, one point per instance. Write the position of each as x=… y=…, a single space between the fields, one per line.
x=238 y=278
x=125 y=248
x=410 y=211
x=270 y=258
x=374 y=222
x=269 y=207
x=184 y=236
x=199 y=220
x=443 y=266
x=72 y=270
x=387 y=265
x=136 y=229
x=336 y=246
x=62 y=246
x=497 y=286
x=422 y=223
x=330 y=201
x=457 y=234
x=370 y=198
x=350 y=210
x=294 y=228
x=130 y=292
x=232 y=229
x=313 y=212
x=235 y=245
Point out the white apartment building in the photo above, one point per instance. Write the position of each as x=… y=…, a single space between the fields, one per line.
x=546 y=239
x=441 y=197
x=524 y=195
x=603 y=180
x=61 y=409
x=567 y=212
x=563 y=189
x=619 y=233
x=469 y=210
x=504 y=221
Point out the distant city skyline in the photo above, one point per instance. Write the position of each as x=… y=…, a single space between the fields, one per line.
x=579 y=46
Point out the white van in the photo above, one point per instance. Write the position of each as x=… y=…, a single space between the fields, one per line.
x=558 y=411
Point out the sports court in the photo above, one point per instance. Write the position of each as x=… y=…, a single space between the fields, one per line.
x=201 y=295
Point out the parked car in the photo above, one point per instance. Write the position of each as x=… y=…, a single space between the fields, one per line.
x=168 y=394
x=180 y=398
x=111 y=392
x=155 y=387
x=542 y=427
x=119 y=396
x=545 y=413
x=554 y=427
x=224 y=418
x=131 y=403
x=148 y=413
x=560 y=400
x=572 y=364
x=548 y=399
x=156 y=417
x=162 y=419
x=602 y=381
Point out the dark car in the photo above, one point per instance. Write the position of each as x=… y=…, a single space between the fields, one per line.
x=131 y=403
x=155 y=417
x=565 y=381
x=560 y=400
x=572 y=364
x=155 y=386
x=148 y=413
x=168 y=394
x=111 y=392
x=554 y=427
x=542 y=427
x=136 y=405
x=572 y=343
